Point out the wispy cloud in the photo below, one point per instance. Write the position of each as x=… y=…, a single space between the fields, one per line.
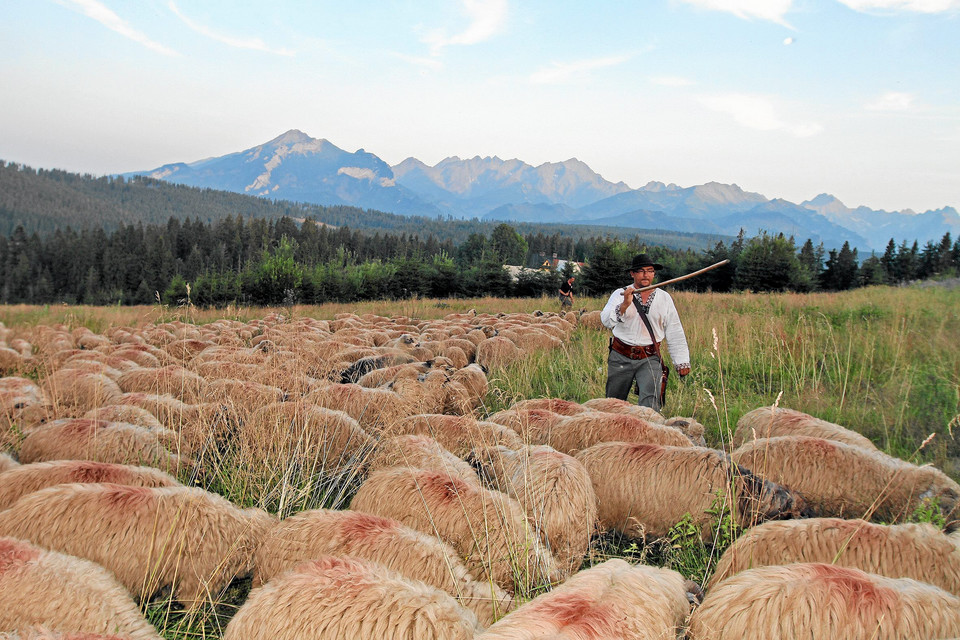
x=919 y=6
x=892 y=101
x=772 y=10
x=561 y=72
x=487 y=18
x=105 y=16
x=757 y=112
x=671 y=81
x=255 y=44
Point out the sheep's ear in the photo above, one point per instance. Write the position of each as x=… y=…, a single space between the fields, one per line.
x=694 y=593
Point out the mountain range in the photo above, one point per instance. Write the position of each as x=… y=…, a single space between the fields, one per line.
x=296 y=167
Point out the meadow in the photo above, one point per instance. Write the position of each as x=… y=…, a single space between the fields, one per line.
x=882 y=361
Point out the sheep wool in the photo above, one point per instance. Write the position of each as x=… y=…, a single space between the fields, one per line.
x=63 y=593
x=457 y=434
x=488 y=529
x=116 y=442
x=341 y=597
x=16 y=483
x=645 y=489
x=843 y=480
x=823 y=601
x=767 y=422
x=616 y=405
x=6 y=463
x=420 y=452
x=918 y=551
x=554 y=490
x=412 y=554
x=579 y=432
x=610 y=601
x=181 y=537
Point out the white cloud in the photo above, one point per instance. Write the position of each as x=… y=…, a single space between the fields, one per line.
x=561 y=72
x=487 y=18
x=757 y=112
x=920 y=6
x=255 y=44
x=105 y=16
x=671 y=81
x=772 y=10
x=892 y=101
x=788 y=41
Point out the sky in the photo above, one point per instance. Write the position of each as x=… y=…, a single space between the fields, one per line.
x=788 y=98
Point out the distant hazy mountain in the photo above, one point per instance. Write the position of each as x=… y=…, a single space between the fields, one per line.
x=879 y=226
x=478 y=185
x=297 y=167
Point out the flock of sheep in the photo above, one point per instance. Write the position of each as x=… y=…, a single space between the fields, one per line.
x=460 y=524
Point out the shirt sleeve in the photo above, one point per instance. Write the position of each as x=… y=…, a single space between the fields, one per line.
x=610 y=315
x=676 y=338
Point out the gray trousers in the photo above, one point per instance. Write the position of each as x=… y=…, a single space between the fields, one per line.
x=623 y=371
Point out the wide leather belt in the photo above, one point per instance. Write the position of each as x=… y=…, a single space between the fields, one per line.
x=634 y=352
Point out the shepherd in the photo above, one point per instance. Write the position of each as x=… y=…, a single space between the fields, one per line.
x=566 y=293
x=641 y=316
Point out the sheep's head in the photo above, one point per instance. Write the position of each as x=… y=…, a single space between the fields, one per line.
x=760 y=500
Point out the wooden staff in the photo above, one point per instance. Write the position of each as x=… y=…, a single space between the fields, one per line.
x=689 y=275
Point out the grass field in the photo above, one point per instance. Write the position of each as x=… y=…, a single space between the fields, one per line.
x=882 y=361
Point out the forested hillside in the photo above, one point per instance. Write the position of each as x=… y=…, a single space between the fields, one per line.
x=44 y=200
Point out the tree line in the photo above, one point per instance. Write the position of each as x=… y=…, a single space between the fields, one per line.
x=268 y=262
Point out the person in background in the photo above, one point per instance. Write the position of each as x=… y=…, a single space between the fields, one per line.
x=634 y=352
x=566 y=293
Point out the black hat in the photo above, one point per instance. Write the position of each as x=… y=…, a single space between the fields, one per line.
x=641 y=261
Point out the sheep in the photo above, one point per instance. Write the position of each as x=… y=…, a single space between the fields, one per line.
x=367 y=364
x=7 y=463
x=918 y=551
x=331 y=440
x=591 y=320
x=457 y=434
x=823 y=601
x=97 y=440
x=613 y=600
x=333 y=597
x=125 y=413
x=40 y=633
x=79 y=391
x=474 y=379
x=385 y=375
x=497 y=352
x=421 y=452
x=554 y=490
x=242 y=393
x=529 y=424
x=24 y=479
x=556 y=405
x=767 y=422
x=373 y=409
x=689 y=427
x=487 y=528
x=579 y=432
x=616 y=405
x=172 y=379
x=63 y=593
x=414 y=555
x=645 y=489
x=843 y=480
x=181 y=537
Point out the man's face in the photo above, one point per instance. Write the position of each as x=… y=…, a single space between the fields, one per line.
x=643 y=277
